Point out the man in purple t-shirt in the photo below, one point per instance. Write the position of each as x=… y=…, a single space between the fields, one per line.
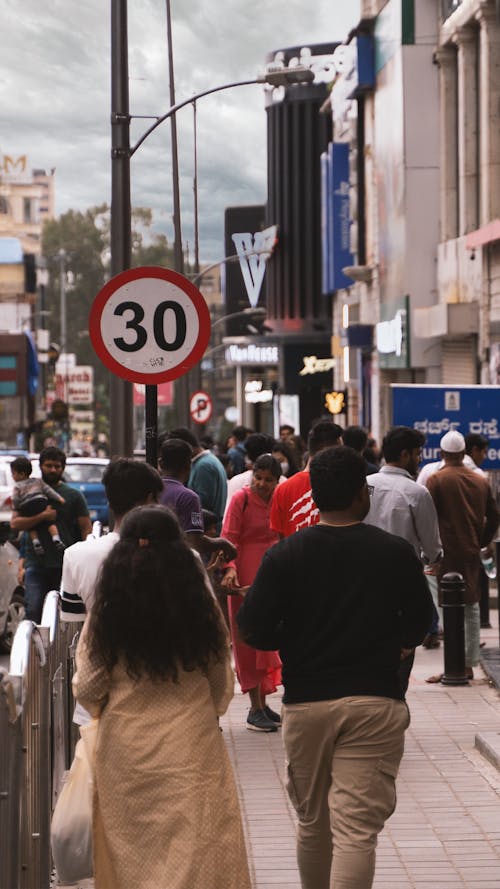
x=175 y=466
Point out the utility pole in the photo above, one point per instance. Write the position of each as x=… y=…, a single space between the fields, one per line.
x=62 y=316
x=121 y=419
x=121 y=391
x=181 y=384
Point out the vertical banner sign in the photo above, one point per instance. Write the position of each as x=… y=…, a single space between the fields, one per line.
x=335 y=217
x=341 y=222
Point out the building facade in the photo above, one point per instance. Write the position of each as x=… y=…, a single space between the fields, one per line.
x=26 y=200
x=422 y=300
x=385 y=107
x=467 y=316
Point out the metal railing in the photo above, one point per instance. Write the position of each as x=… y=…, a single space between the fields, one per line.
x=10 y=781
x=37 y=739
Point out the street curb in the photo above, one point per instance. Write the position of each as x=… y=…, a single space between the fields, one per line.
x=488 y=744
x=490 y=662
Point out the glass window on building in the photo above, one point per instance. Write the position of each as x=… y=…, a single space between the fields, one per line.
x=28 y=210
x=4 y=205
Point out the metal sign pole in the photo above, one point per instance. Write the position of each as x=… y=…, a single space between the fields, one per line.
x=151 y=424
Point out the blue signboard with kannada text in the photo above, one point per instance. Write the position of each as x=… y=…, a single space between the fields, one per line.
x=435 y=410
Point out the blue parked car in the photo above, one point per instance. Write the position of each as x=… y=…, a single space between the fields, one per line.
x=85 y=474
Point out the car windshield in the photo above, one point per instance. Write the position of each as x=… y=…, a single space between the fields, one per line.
x=86 y=473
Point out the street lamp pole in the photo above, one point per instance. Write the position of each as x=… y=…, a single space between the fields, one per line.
x=121 y=431
x=182 y=384
x=121 y=406
x=62 y=315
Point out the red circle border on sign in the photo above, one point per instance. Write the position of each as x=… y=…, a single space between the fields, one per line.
x=126 y=277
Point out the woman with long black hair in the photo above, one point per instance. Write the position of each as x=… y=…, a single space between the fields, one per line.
x=153 y=663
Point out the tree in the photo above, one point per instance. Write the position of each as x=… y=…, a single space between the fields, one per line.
x=84 y=244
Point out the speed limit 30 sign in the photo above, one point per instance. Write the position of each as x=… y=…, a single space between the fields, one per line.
x=149 y=325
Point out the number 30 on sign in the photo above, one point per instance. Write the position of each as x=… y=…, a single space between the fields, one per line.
x=149 y=325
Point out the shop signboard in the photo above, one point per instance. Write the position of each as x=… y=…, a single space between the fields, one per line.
x=75 y=385
x=435 y=410
x=336 y=217
x=243 y=270
x=356 y=64
x=393 y=334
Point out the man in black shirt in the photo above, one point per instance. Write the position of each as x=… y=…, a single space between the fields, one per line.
x=343 y=602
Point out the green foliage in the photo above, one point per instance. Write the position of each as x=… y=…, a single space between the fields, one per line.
x=84 y=244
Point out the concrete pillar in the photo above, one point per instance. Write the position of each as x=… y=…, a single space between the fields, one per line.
x=468 y=209
x=446 y=58
x=489 y=104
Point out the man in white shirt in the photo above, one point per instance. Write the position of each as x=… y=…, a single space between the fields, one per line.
x=402 y=507
x=476 y=449
x=128 y=483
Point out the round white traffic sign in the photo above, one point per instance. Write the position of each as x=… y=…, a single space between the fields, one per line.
x=149 y=325
x=200 y=407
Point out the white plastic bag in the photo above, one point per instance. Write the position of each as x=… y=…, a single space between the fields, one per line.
x=71 y=828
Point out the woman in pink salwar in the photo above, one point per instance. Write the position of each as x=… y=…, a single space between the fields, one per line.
x=246 y=524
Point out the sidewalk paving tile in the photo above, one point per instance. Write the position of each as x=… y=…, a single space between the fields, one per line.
x=445 y=833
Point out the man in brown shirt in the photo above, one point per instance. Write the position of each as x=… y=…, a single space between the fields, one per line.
x=468 y=519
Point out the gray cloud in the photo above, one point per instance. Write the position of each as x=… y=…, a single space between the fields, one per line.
x=55 y=96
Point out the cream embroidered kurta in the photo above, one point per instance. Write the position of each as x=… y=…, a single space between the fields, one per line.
x=166 y=812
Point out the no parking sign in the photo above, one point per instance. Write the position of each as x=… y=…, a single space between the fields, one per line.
x=200 y=407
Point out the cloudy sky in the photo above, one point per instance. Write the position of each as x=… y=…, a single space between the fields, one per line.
x=55 y=96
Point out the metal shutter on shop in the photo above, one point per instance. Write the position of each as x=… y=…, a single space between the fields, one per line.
x=459 y=362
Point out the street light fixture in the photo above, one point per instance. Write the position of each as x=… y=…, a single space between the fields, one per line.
x=274 y=76
x=258 y=312
x=121 y=431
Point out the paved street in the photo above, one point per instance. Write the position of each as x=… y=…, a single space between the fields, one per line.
x=445 y=833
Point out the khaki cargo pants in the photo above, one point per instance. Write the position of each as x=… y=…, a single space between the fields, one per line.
x=342 y=759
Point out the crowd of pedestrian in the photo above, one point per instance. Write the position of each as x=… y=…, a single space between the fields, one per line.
x=308 y=565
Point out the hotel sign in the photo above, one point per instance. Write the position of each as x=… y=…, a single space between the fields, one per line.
x=15 y=169
x=251 y=354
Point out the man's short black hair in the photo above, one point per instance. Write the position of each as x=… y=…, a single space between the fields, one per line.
x=337 y=475
x=175 y=455
x=323 y=434
x=240 y=432
x=258 y=443
x=284 y=426
x=355 y=437
x=22 y=465
x=185 y=434
x=399 y=439
x=128 y=483
x=52 y=453
x=475 y=440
